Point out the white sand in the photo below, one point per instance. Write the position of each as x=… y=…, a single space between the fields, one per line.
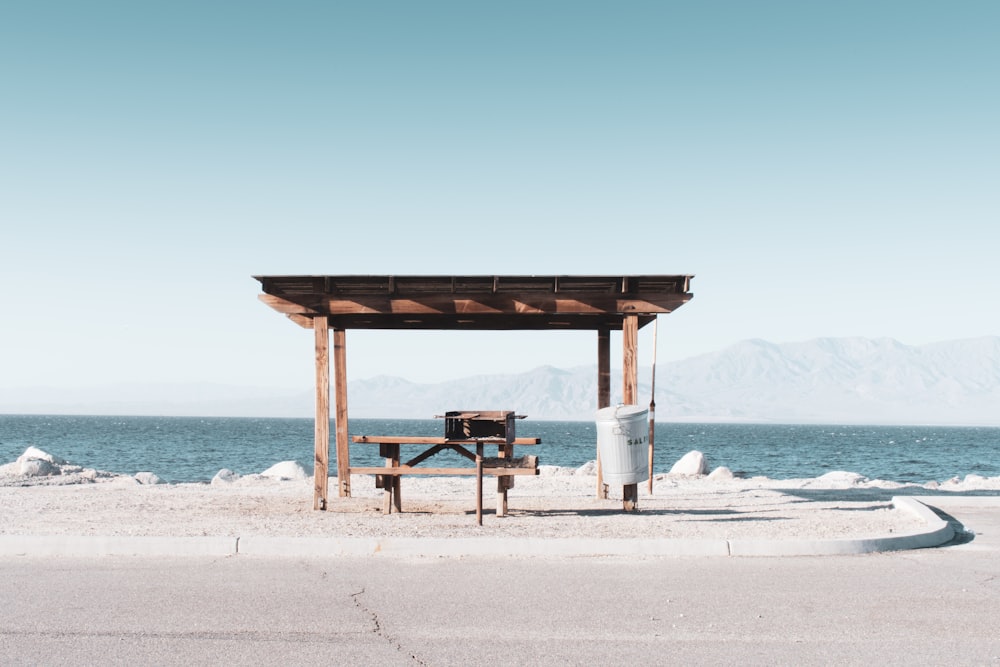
x=558 y=503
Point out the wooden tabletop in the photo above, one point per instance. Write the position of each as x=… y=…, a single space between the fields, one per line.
x=436 y=440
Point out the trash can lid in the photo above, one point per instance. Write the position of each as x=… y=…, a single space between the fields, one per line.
x=620 y=411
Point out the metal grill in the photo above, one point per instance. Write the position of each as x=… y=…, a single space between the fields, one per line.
x=494 y=425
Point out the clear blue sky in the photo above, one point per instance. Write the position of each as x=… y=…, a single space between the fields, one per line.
x=825 y=169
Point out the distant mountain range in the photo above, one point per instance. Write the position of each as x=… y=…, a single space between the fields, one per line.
x=826 y=380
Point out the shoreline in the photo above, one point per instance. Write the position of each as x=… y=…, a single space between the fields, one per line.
x=196 y=451
x=61 y=500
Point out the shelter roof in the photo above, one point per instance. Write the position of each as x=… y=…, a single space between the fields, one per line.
x=475 y=302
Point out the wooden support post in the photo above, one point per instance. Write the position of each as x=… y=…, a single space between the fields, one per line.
x=630 y=390
x=322 y=430
x=479 y=483
x=340 y=394
x=603 y=393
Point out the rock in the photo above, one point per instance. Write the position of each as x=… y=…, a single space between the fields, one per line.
x=34 y=453
x=588 y=468
x=721 y=473
x=224 y=476
x=37 y=468
x=36 y=463
x=842 y=477
x=692 y=463
x=147 y=478
x=285 y=470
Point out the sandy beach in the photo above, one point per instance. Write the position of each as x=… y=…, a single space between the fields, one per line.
x=559 y=502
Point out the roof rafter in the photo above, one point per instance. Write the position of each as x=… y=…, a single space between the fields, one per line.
x=475 y=302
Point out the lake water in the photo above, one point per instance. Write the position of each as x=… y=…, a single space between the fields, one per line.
x=194 y=449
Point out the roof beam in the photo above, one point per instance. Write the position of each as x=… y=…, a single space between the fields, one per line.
x=474 y=302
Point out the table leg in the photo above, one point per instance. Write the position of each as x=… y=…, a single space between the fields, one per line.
x=502 y=496
x=504 y=483
x=397 y=498
x=387 y=496
x=392 y=482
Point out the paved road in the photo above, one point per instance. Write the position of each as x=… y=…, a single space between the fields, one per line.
x=916 y=607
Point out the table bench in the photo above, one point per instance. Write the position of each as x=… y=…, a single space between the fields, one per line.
x=505 y=466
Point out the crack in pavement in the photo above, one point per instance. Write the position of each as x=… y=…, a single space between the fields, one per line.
x=377 y=627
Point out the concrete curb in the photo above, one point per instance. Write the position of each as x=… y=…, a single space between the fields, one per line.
x=99 y=545
x=936 y=533
x=474 y=546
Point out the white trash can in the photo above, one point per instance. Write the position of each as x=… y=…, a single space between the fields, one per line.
x=623 y=442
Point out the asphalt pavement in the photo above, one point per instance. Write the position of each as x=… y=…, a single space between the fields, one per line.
x=923 y=606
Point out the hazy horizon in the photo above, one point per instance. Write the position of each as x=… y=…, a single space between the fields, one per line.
x=822 y=381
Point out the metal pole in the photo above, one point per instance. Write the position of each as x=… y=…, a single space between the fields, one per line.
x=652 y=410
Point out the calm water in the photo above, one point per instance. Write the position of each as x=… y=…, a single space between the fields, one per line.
x=190 y=449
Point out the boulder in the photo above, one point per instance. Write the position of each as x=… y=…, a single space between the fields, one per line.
x=285 y=470
x=722 y=473
x=37 y=468
x=692 y=463
x=588 y=468
x=148 y=478
x=842 y=477
x=225 y=476
x=34 y=453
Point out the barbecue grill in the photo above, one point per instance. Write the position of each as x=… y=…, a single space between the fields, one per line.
x=491 y=425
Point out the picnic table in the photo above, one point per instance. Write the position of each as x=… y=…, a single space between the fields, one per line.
x=505 y=466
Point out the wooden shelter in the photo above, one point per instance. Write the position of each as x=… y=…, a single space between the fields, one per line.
x=597 y=303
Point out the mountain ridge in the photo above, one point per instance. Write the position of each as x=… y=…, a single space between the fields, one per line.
x=823 y=380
